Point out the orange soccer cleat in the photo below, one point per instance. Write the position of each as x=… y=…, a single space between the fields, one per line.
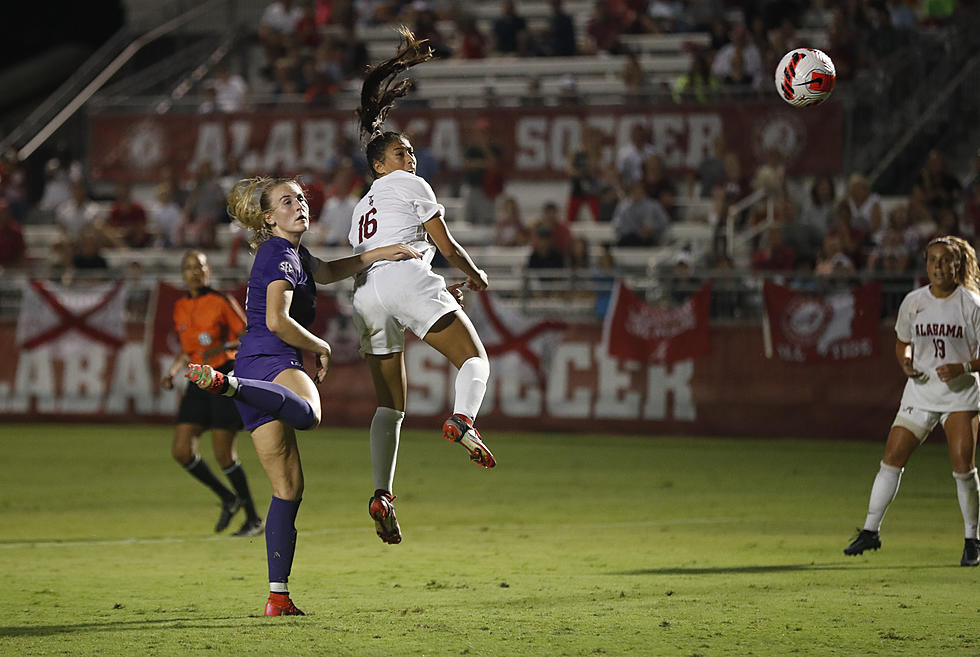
x=385 y=522
x=279 y=604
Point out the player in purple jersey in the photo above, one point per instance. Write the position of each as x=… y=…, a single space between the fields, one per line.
x=390 y=297
x=274 y=394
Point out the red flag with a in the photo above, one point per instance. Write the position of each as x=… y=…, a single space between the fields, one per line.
x=635 y=330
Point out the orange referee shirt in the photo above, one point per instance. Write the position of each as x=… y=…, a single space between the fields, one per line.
x=208 y=319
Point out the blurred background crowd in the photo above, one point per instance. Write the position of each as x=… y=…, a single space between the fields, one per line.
x=910 y=169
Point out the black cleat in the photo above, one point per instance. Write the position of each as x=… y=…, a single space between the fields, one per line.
x=251 y=527
x=971 y=552
x=383 y=511
x=866 y=540
x=228 y=509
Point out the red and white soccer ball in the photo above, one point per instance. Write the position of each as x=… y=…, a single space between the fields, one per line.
x=805 y=76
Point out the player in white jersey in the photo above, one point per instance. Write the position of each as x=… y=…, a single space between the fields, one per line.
x=937 y=339
x=401 y=207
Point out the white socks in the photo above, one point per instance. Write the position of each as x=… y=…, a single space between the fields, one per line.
x=471 y=386
x=883 y=492
x=385 y=430
x=968 y=492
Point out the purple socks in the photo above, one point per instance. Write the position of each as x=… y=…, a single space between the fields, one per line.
x=280 y=537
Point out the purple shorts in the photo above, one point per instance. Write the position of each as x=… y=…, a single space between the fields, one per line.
x=263 y=368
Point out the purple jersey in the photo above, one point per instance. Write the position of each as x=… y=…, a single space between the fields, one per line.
x=276 y=259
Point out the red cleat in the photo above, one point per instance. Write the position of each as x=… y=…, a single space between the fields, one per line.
x=459 y=429
x=279 y=604
x=383 y=512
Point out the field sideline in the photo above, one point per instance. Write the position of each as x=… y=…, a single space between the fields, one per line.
x=573 y=545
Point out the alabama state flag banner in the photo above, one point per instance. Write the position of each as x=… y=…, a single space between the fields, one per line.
x=811 y=327
x=634 y=330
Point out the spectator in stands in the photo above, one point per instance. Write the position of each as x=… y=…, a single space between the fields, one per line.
x=737 y=81
x=277 y=27
x=88 y=253
x=559 y=39
x=318 y=86
x=341 y=195
x=128 y=218
x=699 y=83
x=734 y=184
x=285 y=86
x=852 y=239
x=947 y=224
x=890 y=256
x=631 y=156
x=230 y=89
x=510 y=33
x=639 y=220
x=865 y=207
x=578 y=255
x=842 y=40
x=740 y=47
x=773 y=254
x=510 y=229
x=940 y=188
x=656 y=183
x=165 y=217
x=605 y=271
x=483 y=176
x=13 y=184
x=550 y=220
x=610 y=191
x=57 y=184
x=584 y=171
x=472 y=44
x=12 y=245
x=666 y=16
x=204 y=209
x=819 y=212
x=636 y=84
x=833 y=260
x=427 y=30
x=902 y=16
x=770 y=176
x=73 y=217
x=545 y=254
x=710 y=171
x=603 y=30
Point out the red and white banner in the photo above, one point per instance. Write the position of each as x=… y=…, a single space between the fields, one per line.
x=809 y=327
x=534 y=141
x=73 y=317
x=636 y=331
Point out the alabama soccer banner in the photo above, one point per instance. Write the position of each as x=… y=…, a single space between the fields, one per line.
x=636 y=331
x=812 y=327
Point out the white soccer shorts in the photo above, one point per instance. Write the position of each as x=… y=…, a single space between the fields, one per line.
x=398 y=296
x=920 y=422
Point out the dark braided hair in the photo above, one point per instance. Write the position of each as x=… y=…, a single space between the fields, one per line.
x=380 y=89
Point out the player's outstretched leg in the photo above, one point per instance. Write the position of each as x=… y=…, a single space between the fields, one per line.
x=275 y=399
x=866 y=540
x=383 y=511
x=459 y=429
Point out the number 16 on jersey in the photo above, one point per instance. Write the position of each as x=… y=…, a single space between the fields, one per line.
x=367 y=225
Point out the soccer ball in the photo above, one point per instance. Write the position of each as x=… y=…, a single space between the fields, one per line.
x=805 y=76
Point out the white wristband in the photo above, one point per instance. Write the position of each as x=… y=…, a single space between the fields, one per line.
x=967 y=367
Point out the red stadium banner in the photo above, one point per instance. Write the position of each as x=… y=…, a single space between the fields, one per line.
x=534 y=141
x=807 y=327
x=637 y=331
x=58 y=315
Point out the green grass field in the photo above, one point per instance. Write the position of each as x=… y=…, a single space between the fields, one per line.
x=573 y=545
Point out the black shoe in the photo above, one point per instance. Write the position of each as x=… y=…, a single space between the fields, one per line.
x=866 y=540
x=971 y=552
x=252 y=527
x=228 y=509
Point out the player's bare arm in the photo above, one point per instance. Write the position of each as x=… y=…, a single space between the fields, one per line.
x=330 y=271
x=476 y=278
